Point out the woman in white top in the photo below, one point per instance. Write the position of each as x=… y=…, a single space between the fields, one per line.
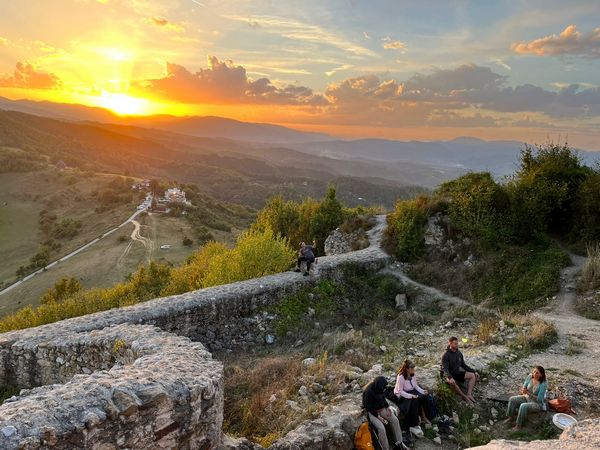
x=412 y=398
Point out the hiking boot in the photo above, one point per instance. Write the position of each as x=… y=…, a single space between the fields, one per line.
x=297 y=269
x=305 y=274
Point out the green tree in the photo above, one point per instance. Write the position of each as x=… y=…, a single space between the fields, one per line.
x=328 y=217
x=63 y=288
x=545 y=188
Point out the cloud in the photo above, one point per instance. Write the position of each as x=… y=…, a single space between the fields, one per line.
x=468 y=95
x=304 y=32
x=341 y=68
x=366 y=35
x=26 y=76
x=390 y=44
x=163 y=23
x=568 y=42
x=224 y=83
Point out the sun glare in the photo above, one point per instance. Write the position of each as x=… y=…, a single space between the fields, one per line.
x=123 y=104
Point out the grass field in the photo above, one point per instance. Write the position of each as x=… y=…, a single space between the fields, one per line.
x=75 y=195
x=67 y=195
x=111 y=259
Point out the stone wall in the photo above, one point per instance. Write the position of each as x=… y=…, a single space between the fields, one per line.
x=162 y=391
x=131 y=377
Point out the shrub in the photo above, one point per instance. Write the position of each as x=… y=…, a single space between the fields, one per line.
x=144 y=284
x=521 y=278
x=406 y=224
x=64 y=288
x=187 y=241
x=544 y=190
x=191 y=275
x=255 y=254
x=306 y=221
x=476 y=206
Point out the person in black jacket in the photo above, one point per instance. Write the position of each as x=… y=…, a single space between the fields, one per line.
x=307 y=254
x=456 y=371
x=380 y=413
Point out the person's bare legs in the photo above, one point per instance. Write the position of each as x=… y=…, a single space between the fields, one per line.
x=471 y=378
x=459 y=391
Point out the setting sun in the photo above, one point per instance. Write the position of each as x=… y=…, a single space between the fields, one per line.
x=124 y=104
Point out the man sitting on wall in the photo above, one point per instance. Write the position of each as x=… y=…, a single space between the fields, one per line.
x=455 y=371
x=307 y=254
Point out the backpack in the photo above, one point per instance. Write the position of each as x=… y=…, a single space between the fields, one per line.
x=363 y=439
x=561 y=405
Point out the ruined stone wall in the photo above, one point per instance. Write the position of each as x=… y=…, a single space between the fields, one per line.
x=162 y=391
x=132 y=377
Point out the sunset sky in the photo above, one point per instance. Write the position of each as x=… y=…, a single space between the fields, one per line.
x=433 y=69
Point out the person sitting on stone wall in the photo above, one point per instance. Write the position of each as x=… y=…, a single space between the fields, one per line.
x=306 y=254
x=380 y=414
x=532 y=398
x=412 y=398
x=455 y=371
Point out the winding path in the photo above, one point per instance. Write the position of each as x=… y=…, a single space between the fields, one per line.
x=73 y=253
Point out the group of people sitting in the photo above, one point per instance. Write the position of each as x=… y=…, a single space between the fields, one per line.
x=412 y=399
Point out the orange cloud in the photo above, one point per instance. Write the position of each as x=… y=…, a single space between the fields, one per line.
x=161 y=22
x=390 y=44
x=568 y=42
x=26 y=76
x=224 y=83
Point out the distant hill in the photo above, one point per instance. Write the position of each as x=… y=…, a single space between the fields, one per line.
x=227 y=170
x=463 y=154
x=208 y=126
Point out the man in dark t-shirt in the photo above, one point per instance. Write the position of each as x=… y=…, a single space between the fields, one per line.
x=456 y=371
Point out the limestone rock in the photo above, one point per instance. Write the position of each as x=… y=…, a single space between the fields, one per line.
x=337 y=243
x=401 y=302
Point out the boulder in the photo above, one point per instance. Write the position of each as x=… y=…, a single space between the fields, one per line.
x=337 y=243
x=401 y=302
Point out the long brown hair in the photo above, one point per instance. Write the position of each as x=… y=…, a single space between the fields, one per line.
x=403 y=370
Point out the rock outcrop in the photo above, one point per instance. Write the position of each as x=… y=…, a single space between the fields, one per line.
x=583 y=436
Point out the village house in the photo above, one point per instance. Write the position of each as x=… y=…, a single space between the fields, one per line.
x=175 y=195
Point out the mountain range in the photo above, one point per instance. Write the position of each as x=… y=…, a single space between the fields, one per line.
x=247 y=162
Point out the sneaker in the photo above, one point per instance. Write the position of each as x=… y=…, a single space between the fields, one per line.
x=305 y=274
x=416 y=431
x=297 y=269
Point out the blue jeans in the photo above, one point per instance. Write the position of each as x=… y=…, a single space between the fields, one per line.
x=525 y=407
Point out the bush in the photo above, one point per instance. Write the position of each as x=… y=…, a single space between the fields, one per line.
x=476 y=206
x=64 y=288
x=249 y=408
x=520 y=277
x=187 y=241
x=306 y=221
x=145 y=284
x=545 y=189
x=405 y=231
x=255 y=254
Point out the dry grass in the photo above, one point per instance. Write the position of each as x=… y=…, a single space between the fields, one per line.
x=487 y=331
x=534 y=334
x=250 y=408
x=590 y=273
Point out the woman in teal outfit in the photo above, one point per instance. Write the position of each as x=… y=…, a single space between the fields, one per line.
x=532 y=398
